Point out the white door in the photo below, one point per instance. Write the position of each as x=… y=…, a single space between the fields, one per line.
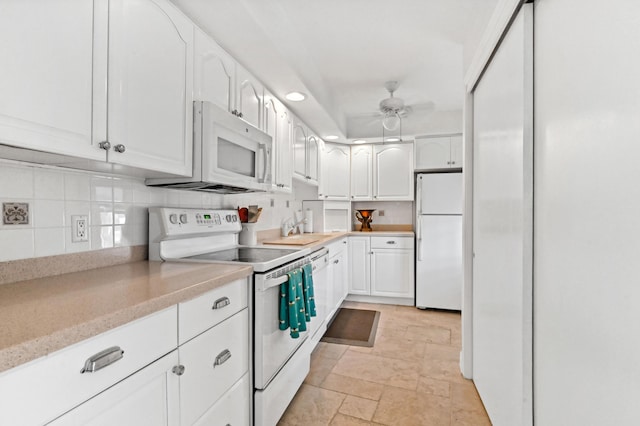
x=335 y=179
x=150 y=84
x=502 y=228
x=249 y=99
x=362 y=173
x=46 y=76
x=440 y=193
x=439 y=262
x=393 y=172
x=214 y=72
x=149 y=397
x=359 y=265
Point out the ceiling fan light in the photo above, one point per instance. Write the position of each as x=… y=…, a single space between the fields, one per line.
x=391 y=121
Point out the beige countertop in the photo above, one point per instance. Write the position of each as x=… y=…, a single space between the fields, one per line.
x=44 y=315
x=325 y=238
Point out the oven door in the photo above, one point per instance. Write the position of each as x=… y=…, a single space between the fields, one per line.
x=273 y=347
x=233 y=152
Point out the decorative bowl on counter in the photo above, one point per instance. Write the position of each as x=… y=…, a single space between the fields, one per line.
x=365 y=217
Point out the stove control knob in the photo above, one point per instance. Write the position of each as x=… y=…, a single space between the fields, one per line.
x=228 y=218
x=183 y=218
x=235 y=218
x=173 y=218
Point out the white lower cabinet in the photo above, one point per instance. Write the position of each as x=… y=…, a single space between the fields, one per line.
x=148 y=378
x=149 y=397
x=213 y=362
x=382 y=266
x=337 y=273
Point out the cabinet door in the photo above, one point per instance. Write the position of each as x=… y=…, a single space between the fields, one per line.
x=313 y=159
x=359 y=265
x=393 y=172
x=339 y=285
x=392 y=273
x=299 y=151
x=249 y=100
x=46 y=76
x=433 y=153
x=284 y=171
x=456 y=151
x=214 y=72
x=362 y=173
x=271 y=116
x=148 y=397
x=150 y=84
x=335 y=179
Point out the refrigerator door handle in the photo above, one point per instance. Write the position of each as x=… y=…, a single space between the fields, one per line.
x=419 y=238
x=419 y=197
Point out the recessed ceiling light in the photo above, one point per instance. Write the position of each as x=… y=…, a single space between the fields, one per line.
x=360 y=141
x=331 y=137
x=295 y=96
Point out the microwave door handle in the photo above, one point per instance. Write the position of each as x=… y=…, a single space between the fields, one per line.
x=263 y=148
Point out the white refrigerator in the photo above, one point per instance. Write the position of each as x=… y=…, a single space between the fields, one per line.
x=439 y=240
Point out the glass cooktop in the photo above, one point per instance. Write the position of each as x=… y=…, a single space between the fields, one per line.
x=244 y=254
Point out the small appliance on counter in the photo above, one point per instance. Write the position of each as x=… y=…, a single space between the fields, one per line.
x=365 y=217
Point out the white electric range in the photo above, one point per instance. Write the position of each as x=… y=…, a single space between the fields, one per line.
x=211 y=236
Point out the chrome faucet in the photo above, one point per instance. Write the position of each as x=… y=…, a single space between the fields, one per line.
x=288 y=225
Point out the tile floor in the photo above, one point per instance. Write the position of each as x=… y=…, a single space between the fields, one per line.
x=410 y=377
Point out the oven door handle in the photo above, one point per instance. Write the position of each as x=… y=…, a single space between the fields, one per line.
x=272 y=282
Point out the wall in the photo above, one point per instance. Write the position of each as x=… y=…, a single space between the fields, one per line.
x=395 y=212
x=587 y=212
x=116 y=207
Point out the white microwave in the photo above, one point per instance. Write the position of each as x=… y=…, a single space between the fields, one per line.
x=229 y=155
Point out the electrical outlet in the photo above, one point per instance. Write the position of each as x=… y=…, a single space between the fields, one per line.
x=79 y=228
x=380 y=212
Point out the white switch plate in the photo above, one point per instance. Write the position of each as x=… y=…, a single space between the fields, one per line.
x=79 y=228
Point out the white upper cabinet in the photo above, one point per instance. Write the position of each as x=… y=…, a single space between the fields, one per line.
x=442 y=152
x=393 y=172
x=248 y=97
x=313 y=158
x=214 y=72
x=361 y=172
x=306 y=153
x=46 y=76
x=277 y=123
x=150 y=85
x=335 y=174
x=299 y=149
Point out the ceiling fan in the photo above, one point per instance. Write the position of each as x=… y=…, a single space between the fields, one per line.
x=394 y=109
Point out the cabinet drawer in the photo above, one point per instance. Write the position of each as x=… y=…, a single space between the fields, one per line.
x=213 y=362
x=55 y=383
x=213 y=307
x=337 y=247
x=392 y=242
x=232 y=409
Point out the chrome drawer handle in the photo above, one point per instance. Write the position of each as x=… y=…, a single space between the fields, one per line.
x=102 y=359
x=221 y=303
x=336 y=261
x=391 y=242
x=222 y=358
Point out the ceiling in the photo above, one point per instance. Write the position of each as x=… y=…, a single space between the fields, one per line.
x=341 y=52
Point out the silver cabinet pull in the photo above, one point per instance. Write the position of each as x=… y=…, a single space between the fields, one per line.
x=106 y=145
x=102 y=359
x=222 y=358
x=336 y=261
x=344 y=242
x=119 y=148
x=178 y=370
x=221 y=303
x=391 y=242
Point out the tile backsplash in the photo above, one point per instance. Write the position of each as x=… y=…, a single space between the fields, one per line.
x=117 y=208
